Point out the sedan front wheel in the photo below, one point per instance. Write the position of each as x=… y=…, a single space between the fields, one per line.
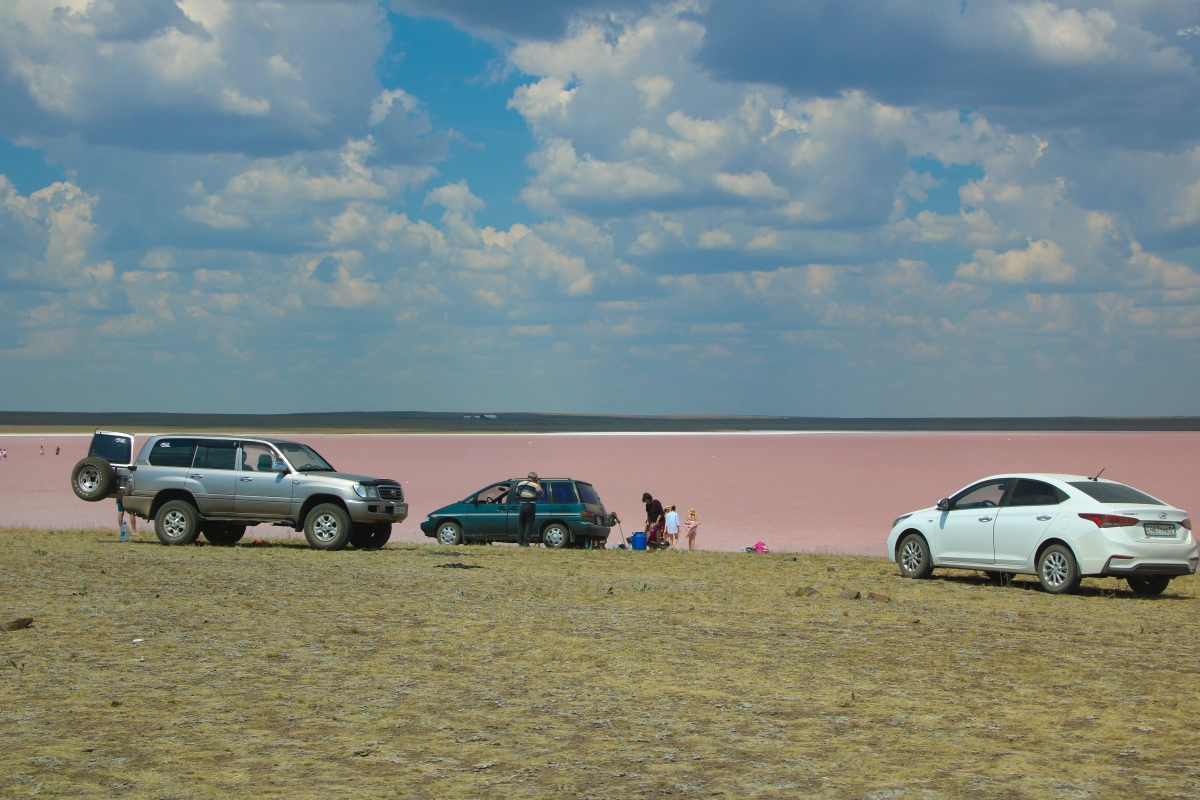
x=914 y=558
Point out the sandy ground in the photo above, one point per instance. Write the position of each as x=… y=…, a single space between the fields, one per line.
x=279 y=671
x=797 y=492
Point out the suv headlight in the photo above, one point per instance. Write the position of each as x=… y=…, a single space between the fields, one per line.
x=368 y=492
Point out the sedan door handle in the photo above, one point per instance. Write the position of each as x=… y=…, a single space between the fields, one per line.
x=245 y=479
x=1045 y=517
x=985 y=519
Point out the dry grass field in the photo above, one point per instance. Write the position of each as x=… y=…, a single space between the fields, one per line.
x=279 y=671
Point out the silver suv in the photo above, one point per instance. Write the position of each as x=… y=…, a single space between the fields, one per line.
x=192 y=484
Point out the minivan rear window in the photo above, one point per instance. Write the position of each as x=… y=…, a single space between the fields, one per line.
x=113 y=449
x=587 y=494
x=1115 y=493
x=172 y=452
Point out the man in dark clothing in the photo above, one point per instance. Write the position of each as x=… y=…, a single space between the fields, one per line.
x=654 y=519
x=527 y=493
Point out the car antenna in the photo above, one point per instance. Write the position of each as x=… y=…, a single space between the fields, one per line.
x=1098 y=474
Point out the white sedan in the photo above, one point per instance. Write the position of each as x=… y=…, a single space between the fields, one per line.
x=1058 y=527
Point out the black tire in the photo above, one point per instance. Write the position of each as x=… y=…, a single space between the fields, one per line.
x=223 y=535
x=328 y=527
x=370 y=535
x=556 y=536
x=1148 y=585
x=913 y=557
x=93 y=479
x=449 y=534
x=1057 y=570
x=177 y=522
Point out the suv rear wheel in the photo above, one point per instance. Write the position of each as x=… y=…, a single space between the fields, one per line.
x=177 y=522
x=327 y=527
x=92 y=479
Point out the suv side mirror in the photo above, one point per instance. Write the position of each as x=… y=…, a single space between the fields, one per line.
x=279 y=466
x=943 y=504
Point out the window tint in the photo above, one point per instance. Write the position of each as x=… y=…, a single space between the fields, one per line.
x=172 y=452
x=215 y=455
x=1035 y=493
x=1115 y=493
x=987 y=495
x=492 y=494
x=562 y=492
x=256 y=457
x=117 y=449
x=587 y=494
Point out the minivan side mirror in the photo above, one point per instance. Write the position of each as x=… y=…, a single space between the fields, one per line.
x=943 y=504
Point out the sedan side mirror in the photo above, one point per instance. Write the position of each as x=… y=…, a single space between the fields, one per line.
x=943 y=504
x=279 y=466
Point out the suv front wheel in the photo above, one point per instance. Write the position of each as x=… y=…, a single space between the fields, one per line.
x=177 y=522
x=327 y=527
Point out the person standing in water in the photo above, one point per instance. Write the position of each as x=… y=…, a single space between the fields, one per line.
x=527 y=494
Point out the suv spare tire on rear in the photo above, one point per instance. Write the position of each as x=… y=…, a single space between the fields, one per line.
x=93 y=479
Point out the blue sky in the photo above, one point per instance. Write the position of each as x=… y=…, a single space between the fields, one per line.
x=699 y=206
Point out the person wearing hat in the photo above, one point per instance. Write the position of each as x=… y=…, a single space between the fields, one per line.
x=527 y=494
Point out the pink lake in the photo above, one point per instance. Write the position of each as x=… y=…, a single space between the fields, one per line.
x=836 y=492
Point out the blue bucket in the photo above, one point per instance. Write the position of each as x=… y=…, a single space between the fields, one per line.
x=638 y=541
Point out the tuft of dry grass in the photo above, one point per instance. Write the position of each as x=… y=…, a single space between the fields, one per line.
x=279 y=671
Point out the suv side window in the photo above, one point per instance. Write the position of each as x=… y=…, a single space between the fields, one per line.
x=215 y=455
x=1035 y=493
x=985 y=495
x=172 y=452
x=256 y=457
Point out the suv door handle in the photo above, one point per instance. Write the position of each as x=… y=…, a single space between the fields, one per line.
x=195 y=476
x=1045 y=517
x=981 y=519
x=245 y=479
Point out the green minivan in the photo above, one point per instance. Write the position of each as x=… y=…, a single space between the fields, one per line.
x=569 y=514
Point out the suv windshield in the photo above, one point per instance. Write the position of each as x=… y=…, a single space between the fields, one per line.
x=304 y=458
x=1115 y=493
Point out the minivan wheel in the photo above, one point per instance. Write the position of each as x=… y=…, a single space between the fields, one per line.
x=913 y=557
x=556 y=536
x=448 y=533
x=223 y=535
x=1057 y=570
x=1148 y=585
x=177 y=522
x=327 y=527
x=92 y=479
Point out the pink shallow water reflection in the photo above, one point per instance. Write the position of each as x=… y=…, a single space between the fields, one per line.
x=827 y=491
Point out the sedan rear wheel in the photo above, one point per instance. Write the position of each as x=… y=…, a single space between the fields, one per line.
x=1058 y=571
x=1148 y=585
x=914 y=558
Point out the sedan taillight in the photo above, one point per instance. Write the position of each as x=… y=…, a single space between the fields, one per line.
x=1110 y=520
x=1187 y=523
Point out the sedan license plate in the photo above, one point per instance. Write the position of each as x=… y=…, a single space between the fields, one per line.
x=1160 y=530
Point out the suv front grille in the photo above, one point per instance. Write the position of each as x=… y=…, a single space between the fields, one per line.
x=391 y=493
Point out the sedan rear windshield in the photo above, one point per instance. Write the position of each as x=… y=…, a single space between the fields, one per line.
x=1115 y=493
